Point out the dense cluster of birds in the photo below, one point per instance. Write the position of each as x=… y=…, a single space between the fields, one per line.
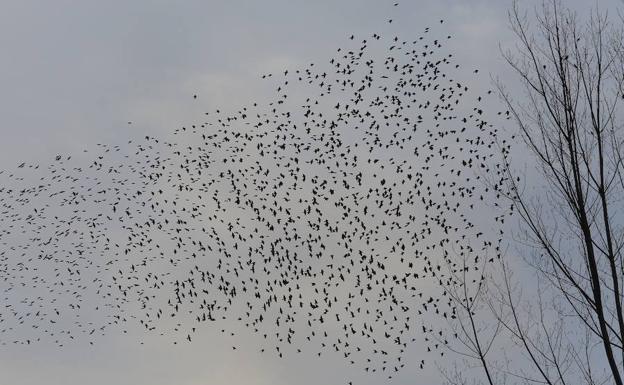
x=334 y=217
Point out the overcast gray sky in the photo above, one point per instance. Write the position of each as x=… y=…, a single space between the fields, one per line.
x=73 y=73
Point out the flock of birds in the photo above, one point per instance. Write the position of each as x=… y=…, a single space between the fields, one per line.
x=335 y=217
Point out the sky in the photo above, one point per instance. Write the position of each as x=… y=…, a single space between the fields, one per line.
x=74 y=73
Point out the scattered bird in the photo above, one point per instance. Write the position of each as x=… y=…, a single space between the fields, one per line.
x=321 y=218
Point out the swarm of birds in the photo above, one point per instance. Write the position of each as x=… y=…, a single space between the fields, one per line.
x=334 y=217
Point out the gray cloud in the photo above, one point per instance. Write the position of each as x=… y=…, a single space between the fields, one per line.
x=74 y=72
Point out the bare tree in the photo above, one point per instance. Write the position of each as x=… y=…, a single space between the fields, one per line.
x=565 y=323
